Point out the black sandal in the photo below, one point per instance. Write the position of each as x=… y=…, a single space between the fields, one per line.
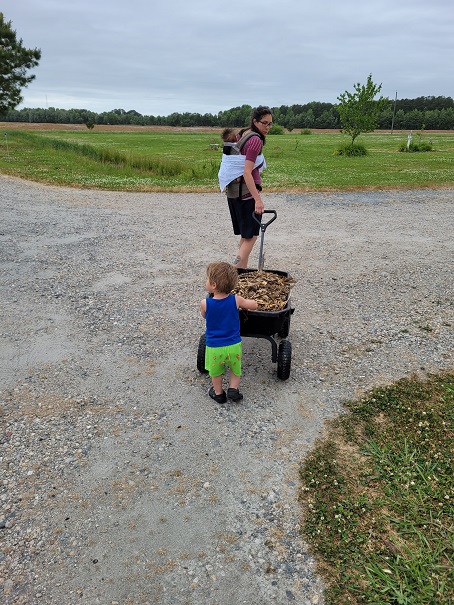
x=234 y=394
x=218 y=398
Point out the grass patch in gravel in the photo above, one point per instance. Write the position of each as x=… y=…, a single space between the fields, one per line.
x=378 y=495
x=186 y=161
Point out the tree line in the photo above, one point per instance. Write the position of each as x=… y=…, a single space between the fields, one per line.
x=432 y=113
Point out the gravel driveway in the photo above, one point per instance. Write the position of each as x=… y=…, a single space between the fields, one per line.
x=122 y=481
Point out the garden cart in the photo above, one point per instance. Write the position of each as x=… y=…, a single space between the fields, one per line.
x=274 y=326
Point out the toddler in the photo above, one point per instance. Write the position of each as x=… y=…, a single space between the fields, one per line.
x=223 y=340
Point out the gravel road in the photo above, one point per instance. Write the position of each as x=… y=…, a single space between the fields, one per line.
x=122 y=481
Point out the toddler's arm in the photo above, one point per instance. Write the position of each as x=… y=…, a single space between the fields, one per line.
x=246 y=303
x=203 y=307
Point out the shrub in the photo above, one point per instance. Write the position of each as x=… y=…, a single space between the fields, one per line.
x=276 y=129
x=306 y=131
x=414 y=147
x=351 y=150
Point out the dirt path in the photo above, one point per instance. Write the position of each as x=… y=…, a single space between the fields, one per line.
x=122 y=481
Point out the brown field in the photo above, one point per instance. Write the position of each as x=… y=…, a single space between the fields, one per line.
x=102 y=127
x=132 y=128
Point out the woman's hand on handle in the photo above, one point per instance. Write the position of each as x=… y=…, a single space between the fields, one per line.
x=259 y=207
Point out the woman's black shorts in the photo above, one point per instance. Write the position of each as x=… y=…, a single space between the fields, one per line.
x=241 y=214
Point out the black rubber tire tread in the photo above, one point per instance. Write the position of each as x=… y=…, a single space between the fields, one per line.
x=284 y=359
x=201 y=355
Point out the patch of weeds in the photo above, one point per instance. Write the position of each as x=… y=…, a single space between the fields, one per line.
x=377 y=493
x=416 y=147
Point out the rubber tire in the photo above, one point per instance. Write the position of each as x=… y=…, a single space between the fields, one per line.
x=285 y=327
x=284 y=359
x=201 y=355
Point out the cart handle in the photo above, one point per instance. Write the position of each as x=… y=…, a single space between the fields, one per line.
x=263 y=226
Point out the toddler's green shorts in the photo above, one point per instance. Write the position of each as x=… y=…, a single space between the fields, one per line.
x=218 y=358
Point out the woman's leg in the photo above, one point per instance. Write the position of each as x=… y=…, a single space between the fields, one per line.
x=242 y=222
x=244 y=250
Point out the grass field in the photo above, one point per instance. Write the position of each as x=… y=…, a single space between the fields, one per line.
x=175 y=160
x=378 y=497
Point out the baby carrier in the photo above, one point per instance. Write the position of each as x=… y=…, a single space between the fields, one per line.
x=237 y=187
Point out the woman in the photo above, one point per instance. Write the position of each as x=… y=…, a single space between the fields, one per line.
x=243 y=193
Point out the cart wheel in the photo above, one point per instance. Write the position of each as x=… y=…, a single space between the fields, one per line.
x=201 y=354
x=284 y=359
x=285 y=328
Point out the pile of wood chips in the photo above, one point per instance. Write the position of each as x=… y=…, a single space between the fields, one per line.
x=270 y=290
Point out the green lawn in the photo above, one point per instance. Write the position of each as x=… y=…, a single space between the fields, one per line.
x=184 y=161
x=378 y=495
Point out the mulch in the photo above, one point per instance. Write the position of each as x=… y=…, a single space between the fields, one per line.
x=270 y=290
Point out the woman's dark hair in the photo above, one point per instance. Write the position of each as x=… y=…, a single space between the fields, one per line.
x=257 y=114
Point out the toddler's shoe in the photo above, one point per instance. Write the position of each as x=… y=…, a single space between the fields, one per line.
x=234 y=394
x=218 y=398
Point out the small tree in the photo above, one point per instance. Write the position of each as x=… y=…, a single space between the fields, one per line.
x=358 y=111
x=15 y=60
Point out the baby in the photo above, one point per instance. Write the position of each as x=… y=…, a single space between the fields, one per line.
x=230 y=137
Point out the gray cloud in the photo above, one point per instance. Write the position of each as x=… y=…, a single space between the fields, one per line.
x=205 y=56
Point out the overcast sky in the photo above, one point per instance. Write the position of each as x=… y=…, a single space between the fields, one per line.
x=205 y=56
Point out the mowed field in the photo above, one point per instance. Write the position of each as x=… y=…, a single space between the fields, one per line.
x=161 y=158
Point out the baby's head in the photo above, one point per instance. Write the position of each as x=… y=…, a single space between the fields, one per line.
x=229 y=135
x=224 y=275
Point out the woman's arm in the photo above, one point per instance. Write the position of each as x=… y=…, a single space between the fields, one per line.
x=249 y=180
x=246 y=303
